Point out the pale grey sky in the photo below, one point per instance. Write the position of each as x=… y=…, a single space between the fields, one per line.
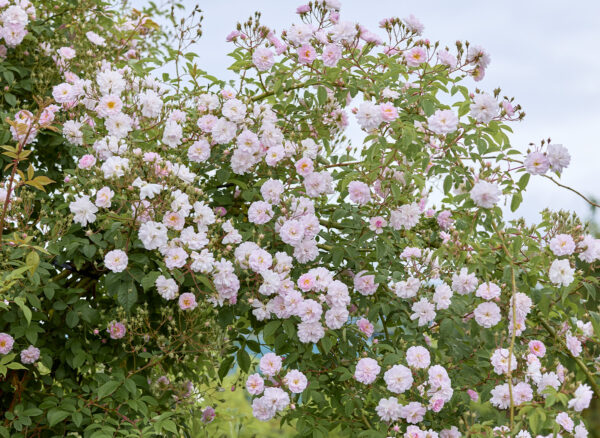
x=543 y=52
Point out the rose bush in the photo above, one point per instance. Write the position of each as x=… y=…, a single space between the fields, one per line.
x=368 y=286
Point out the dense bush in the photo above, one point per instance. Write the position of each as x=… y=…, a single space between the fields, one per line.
x=160 y=230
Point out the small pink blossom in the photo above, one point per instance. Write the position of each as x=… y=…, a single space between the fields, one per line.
x=231 y=35
x=367 y=370
x=474 y=396
x=359 y=192
x=116 y=330
x=332 y=53
x=377 y=224
x=537 y=348
x=306 y=282
x=104 y=197
x=270 y=364
x=30 y=355
x=86 y=162
x=255 y=384
x=6 y=343
x=415 y=57
x=304 y=166
x=187 y=301
x=365 y=326
x=389 y=113
x=436 y=404
x=307 y=54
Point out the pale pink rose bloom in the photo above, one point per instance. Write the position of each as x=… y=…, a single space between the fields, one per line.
x=562 y=244
x=174 y=220
x=263 y=59
x=66 y=53
x=366 y=370
x=377 y=224
x=86 y=161
x=415 y=57
x=436 y=404
x=6 y=343
x=304 y=166
x=365 y=326
x=487 y=314
x=447 y=58
x=537 y=348
x=488 y=291
x=270 y=364
x=279 y=45
x=295 y=381
x=260 y=212
x=116 y=330
x=307 y=54
x=176 y=258
x=116 y=260
x=536 y=163
x=508 y=108
x=444 y=220
x=522 y=393
x=443 y=122
x=187 y=301
x=231 y=35
x=565 y=421
x=306 y=282
x=418 y=357
x=255 y=384
x=30 y=355
x=365 y=284
x=414 y=412
x=332 y=53
x=410 y=252
x=573 y=344
x=389 y=112
x=474 y=396
x=104 y=197
x=359 y=192
x=413 y=24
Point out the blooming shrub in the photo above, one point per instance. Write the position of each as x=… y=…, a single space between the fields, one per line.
x=374 y=289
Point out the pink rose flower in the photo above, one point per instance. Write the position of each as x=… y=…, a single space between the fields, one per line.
x=86 y=161
x=307 y=54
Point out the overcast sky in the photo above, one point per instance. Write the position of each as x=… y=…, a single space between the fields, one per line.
x=545 y=53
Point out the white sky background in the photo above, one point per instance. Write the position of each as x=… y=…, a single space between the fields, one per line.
x=543 y=52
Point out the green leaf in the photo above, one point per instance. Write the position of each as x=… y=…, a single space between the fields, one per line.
x=271 y=328
x=32 y=260
x=20 y=301
x=127 y=295
x=447 y=184
x=7 y=358
x=149 y=280
x=89 y=251
x=56 y=415
x=225 y=367
x=108 y=388
x=322 y=95
x=516 y=201
x=169 y=425
x=15 y=366
x=77 y=418
x=72 y=319
x=244 y=360
x=10 y=99
x=327 y=343
x=524 y=180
